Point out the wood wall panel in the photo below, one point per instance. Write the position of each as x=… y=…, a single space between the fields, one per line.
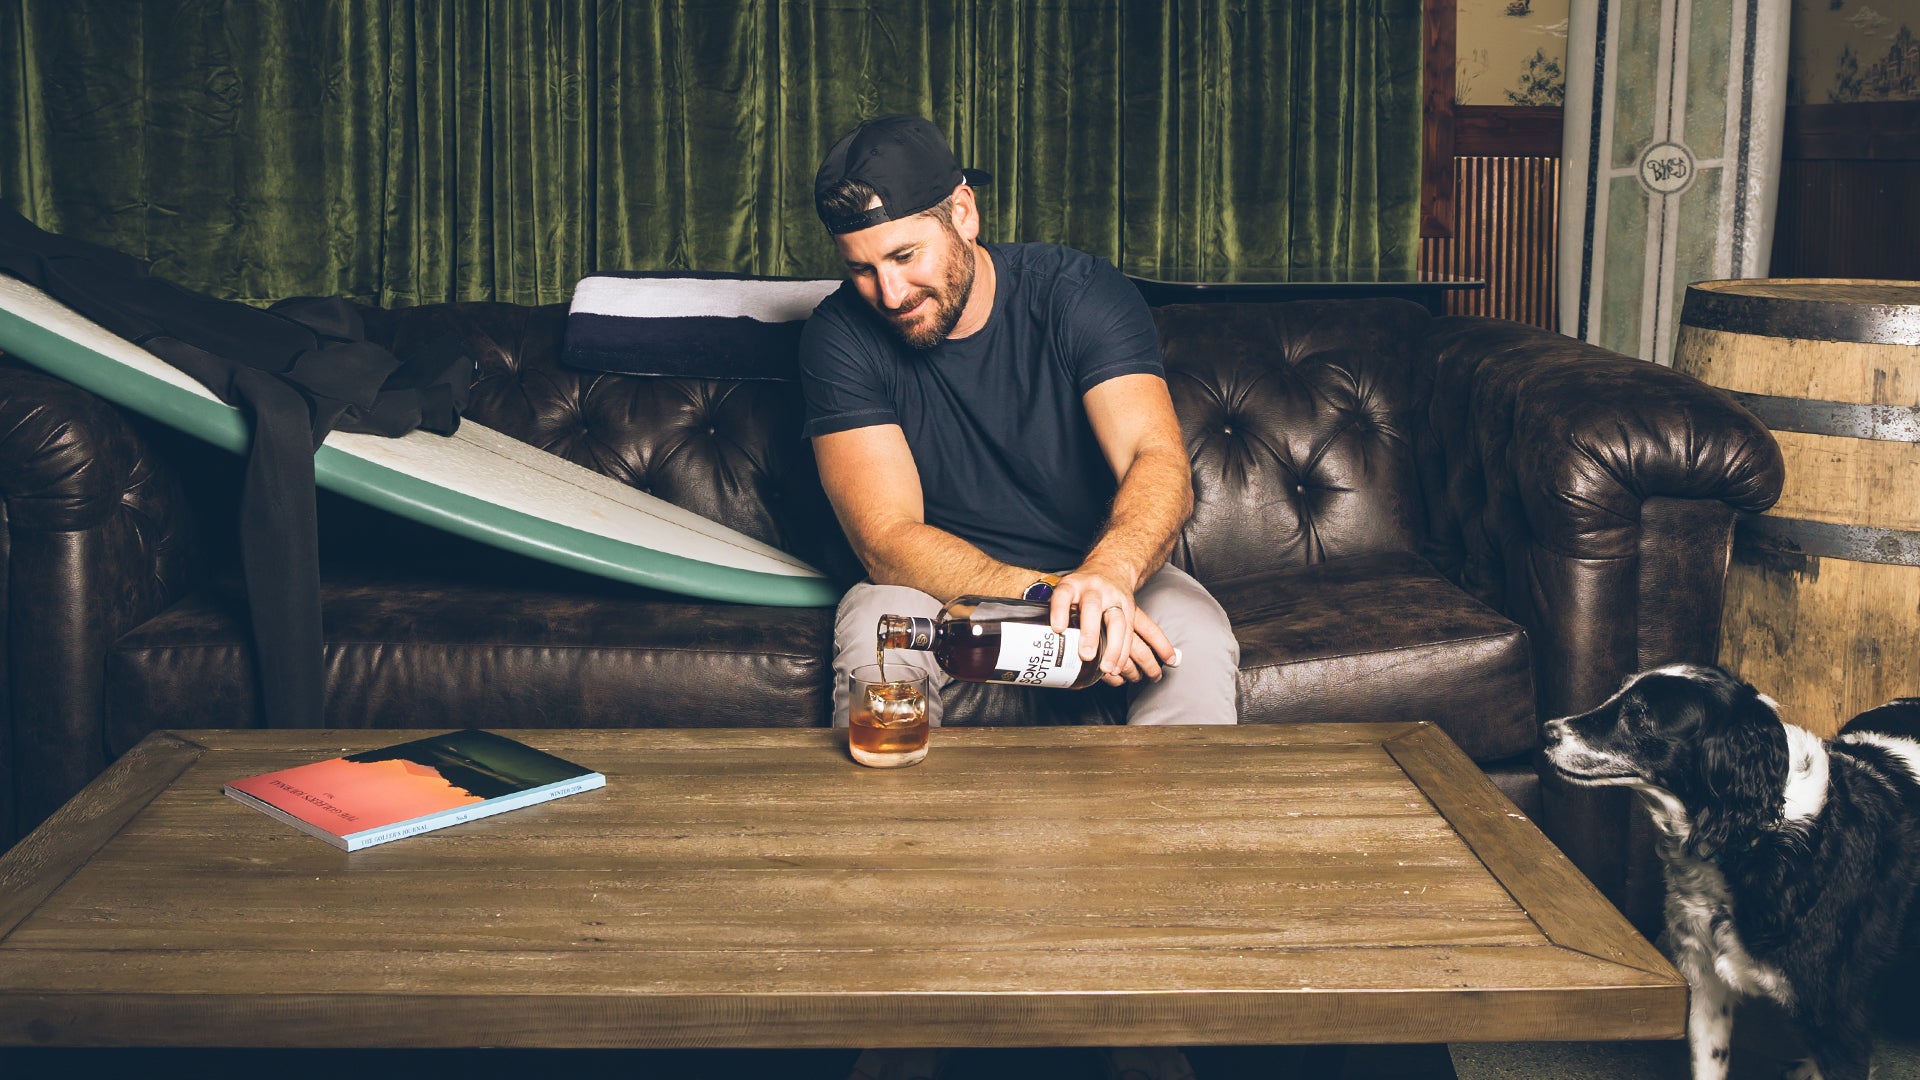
x=1508 y=130
x=1847 y=192
x=1847 y=218
x=1436 y=130
x=1505 y=233
x=1849 y=202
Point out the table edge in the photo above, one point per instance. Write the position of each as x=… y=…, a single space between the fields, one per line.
x=1569 y=910
x=741 y=1020
x=36 y=867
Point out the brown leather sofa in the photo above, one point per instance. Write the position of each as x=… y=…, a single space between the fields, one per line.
x=1463 y=520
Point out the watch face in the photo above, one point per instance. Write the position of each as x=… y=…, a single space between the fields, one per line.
x=1039 y=590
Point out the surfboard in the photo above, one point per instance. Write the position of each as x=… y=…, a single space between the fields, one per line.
x=476 y=483
x=1670 y=161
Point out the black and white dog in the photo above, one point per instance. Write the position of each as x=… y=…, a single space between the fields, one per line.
x=1789 y=861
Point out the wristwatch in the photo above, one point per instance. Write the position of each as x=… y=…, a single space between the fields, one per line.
x=1042 y=589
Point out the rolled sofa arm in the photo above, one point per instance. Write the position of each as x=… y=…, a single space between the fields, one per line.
x=98 y=536
x=1590 y=497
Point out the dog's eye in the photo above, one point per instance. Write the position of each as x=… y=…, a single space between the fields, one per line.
x=1635 y=714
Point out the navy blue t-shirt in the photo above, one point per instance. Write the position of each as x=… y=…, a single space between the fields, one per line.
x=1007 y=459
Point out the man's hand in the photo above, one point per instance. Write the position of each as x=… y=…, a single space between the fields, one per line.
x=1136 y=647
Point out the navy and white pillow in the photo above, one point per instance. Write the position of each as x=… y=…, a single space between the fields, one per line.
x=691 y=323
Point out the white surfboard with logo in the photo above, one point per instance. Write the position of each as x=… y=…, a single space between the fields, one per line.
x=1671 y=160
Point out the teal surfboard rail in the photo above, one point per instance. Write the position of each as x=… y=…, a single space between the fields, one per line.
x=409 y=496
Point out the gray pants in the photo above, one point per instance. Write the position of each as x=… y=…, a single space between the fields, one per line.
x=1204 y=689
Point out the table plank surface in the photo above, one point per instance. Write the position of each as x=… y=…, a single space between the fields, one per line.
x=755 y=887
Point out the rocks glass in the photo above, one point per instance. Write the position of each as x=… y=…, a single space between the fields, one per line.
x=886 y=717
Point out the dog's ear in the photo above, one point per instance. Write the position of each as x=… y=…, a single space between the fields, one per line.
x=1741 y=775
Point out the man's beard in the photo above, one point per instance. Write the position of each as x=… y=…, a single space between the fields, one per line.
x=949 y=301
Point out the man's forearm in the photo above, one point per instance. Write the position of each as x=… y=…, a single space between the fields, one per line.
x=940 y=564
x=870 y=479
x=1153 y=503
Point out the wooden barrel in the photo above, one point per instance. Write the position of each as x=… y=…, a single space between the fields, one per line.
x=1823 y=593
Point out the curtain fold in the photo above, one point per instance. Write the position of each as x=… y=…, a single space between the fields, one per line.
x=412 y=151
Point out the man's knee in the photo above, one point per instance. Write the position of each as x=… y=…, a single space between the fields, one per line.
x=1193 y=620
x=1204 y=689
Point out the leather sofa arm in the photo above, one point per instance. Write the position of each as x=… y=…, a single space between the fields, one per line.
x=98 y=536
x=1590 y=497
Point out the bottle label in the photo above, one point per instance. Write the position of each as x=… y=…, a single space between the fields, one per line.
x=1036 y=656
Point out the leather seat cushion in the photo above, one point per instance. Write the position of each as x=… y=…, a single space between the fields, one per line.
x=1375 y=637
x=1519 y=780
x=1381 y=637
x=404 y=652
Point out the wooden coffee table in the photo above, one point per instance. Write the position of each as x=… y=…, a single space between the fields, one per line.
x=756 y=888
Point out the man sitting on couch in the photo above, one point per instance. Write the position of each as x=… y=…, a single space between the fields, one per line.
x=982 y=415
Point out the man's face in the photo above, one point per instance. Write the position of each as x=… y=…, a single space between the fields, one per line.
x=916 y=272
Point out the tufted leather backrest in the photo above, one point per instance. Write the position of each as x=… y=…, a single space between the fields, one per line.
x=1298 y=418
x=1301 y=421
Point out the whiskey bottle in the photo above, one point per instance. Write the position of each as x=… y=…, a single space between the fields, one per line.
x=994 y=639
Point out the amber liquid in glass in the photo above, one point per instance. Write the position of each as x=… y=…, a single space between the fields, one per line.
x=889 y=727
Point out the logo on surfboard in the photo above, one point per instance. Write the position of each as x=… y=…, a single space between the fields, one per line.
x=1666 y=168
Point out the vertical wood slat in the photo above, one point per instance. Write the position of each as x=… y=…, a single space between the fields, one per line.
x=1847 y=218
x=1506 y=234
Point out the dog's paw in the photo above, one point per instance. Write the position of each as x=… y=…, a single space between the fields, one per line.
x=1804 y=1069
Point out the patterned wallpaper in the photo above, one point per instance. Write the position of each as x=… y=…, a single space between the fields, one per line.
x=1854 y=50
x=1513 y=52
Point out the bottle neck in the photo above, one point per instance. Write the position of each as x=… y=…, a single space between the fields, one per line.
x=905 y=632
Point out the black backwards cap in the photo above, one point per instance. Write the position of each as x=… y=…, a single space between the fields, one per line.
x=902 y=158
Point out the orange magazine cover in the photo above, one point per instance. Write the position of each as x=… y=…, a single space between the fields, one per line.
x=370 y=798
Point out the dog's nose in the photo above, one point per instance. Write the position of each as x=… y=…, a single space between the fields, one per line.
x=1553 y=731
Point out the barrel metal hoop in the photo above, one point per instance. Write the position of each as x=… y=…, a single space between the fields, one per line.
x=1844 y=419
x=1823 y=539
x=1807 y=320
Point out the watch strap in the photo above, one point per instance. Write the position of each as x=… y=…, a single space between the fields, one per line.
x=1041 y=589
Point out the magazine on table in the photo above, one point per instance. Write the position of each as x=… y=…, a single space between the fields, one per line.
x=359 y=800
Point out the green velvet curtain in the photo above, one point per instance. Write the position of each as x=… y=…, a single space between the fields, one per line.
x=409 y=151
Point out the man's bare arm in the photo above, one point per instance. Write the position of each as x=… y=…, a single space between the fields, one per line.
x=870 y=479
x=1133 y=419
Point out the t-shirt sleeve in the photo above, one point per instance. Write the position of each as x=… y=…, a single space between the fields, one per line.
x=839 y=377
x=1111 y=331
